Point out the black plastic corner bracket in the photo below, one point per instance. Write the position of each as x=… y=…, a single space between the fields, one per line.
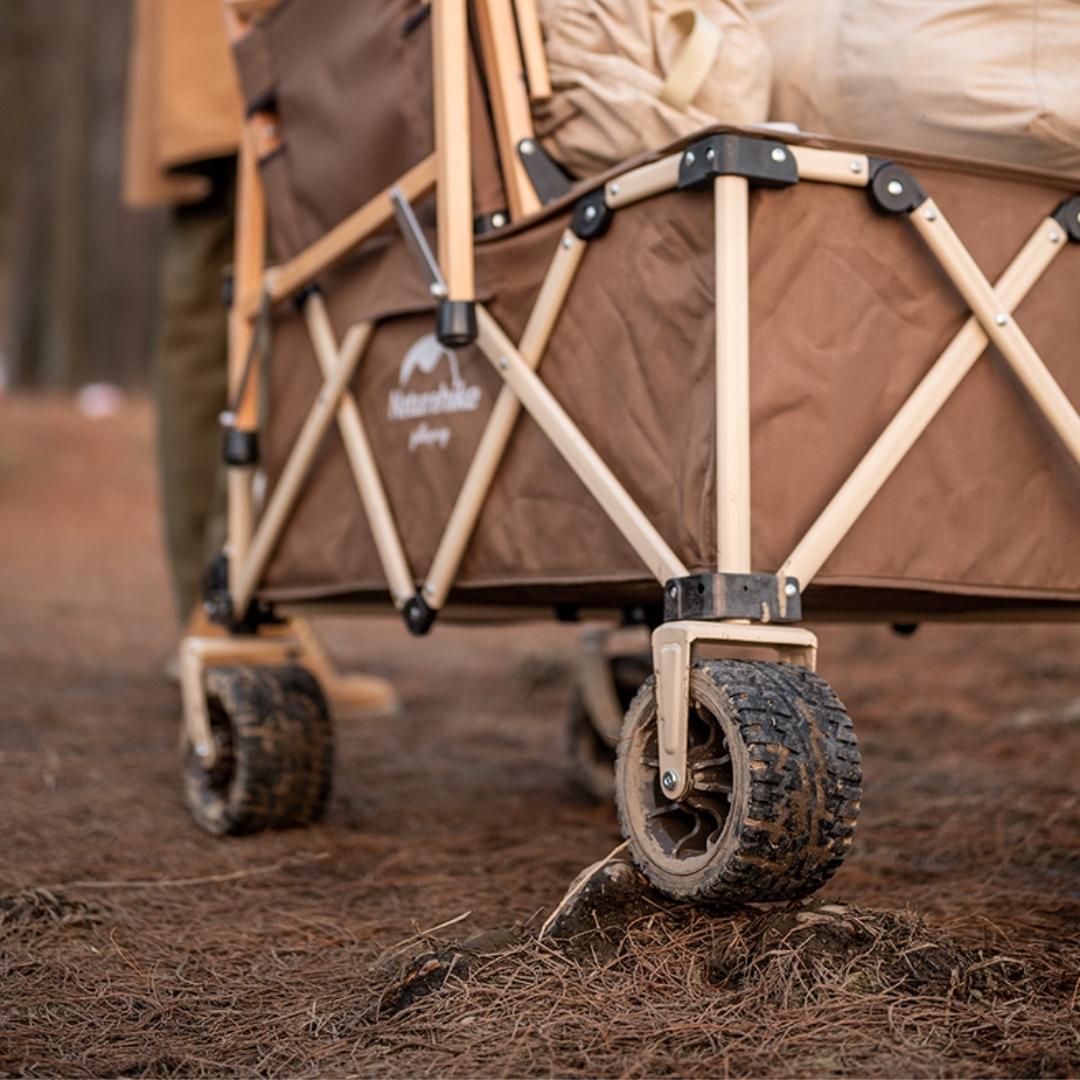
x=892 y=189
x=455 y=323
x=419 y=617
x=761 y=598
x=1067 y=215
x=764 y=162
x=592 y=216
x=305 y=294
x=218 y=606
x=240 y=448
x=548 y=180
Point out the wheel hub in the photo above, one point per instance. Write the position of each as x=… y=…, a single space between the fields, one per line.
x=690 y=827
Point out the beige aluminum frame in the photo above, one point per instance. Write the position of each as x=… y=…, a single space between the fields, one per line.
x=991 y=321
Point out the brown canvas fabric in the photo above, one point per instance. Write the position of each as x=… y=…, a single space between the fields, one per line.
x=848 y=311
x=351 y=83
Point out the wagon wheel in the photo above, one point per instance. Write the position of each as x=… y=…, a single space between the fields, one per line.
x=776 y=786
x=275 y=752
x=592 y=750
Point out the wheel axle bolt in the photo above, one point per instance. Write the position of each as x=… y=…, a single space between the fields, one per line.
x=669 y=780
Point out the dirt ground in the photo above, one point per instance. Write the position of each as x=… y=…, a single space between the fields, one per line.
x=130 y=943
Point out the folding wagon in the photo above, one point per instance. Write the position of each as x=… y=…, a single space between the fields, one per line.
x=741 y=382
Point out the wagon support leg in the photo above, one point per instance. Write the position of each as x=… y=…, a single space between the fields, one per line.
x=298 y=643
x=672 y=647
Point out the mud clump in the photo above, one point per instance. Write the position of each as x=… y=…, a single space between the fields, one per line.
x=794 y=957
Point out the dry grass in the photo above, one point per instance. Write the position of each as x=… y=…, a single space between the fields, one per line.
x=820 y=989
x=131 y=944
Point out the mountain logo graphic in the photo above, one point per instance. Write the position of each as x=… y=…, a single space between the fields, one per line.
x=425 y=355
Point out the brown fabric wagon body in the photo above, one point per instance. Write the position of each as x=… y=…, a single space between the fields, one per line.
x=848 y=311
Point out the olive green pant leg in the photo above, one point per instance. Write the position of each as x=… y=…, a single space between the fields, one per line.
x=191 y=388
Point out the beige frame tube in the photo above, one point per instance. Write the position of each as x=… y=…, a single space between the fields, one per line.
x=510 y=108
x=915 y=415
x=998 y=324
x=453 y=146
x=280 y=282
x=500 y=424
x=731 y=194
x=361 y=459
x=249 y=256
x=277 y=510
x=576 y=450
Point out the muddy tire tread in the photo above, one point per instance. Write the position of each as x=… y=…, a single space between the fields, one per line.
x=278 y=752
x=795 y=833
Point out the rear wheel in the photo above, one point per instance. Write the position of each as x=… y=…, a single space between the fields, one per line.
x=592 y=749
x=775 y=793
x=275 y=751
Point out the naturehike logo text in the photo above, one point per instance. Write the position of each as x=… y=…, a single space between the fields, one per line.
x=455 y=396
x=452 y=395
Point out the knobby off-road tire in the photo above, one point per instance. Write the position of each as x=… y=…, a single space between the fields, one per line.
x=776 y=786
x=592 y=754
x=275 y=752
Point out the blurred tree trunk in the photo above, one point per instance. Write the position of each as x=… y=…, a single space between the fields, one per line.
x=78 y=272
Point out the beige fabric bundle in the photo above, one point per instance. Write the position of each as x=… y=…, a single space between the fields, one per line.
x=996 y=79
x=633 y=75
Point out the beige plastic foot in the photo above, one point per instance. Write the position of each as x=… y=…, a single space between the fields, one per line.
x=296 y=642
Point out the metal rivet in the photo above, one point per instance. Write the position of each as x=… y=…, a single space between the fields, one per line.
x=688 y=157
x=856 y=167
x=710 y=154
x=779 y=154
x=498 y=220
x=791 y=588
x=503 y=363
x=673 y=592
x=669 y=780
x=527 y=146
x=614 y=189
x=1001 y=318
x=590 y=213
x=894 y=187
x=931 y=214
x=1055 y=238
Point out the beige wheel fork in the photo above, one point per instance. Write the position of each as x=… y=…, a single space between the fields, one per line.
x=672 y=649
x=296 y=642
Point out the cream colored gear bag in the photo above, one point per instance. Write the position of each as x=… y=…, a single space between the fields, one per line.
x=996 y=79
x=633 y=75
